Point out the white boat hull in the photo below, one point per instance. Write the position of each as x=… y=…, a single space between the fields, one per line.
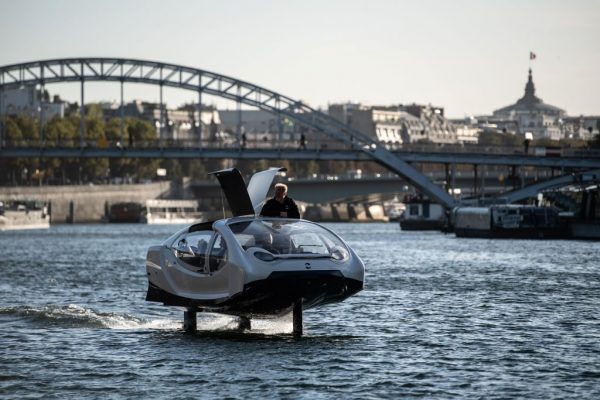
x=17 y=220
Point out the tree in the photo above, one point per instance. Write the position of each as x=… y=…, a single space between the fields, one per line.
x=195 y=169
x=29 y=129
x=112 y=131
x=13 y=133
x=542 y=142
x=21 y=130
x=9 y=167
x=59 y=132
x=93 y=169
x=574 y=143
x=94 y=129
x=140 y=133
x=500 y=139
x=119 y=167
x=94 y=111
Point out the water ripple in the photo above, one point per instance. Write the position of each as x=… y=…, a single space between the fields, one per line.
x=440 y=317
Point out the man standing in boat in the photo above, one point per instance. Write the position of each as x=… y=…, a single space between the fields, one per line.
x=281 y=205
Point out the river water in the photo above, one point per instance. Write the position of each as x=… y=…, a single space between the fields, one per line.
x=440 y=317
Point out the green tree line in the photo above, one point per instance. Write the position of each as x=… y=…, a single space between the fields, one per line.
x=24 y=131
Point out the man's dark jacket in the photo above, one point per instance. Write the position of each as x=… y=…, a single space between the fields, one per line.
x=273 y=208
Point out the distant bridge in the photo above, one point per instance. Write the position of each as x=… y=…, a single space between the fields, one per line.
x=204 y=82
x=422 y=155
x=369 y=189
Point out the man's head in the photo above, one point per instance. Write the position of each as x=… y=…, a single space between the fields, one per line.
x=280 y=191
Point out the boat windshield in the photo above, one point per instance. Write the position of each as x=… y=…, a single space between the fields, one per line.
x=289 y=238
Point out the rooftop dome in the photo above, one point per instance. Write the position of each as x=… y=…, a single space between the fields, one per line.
x=530 y=103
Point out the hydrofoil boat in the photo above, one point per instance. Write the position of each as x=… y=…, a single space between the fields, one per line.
x=250 y=266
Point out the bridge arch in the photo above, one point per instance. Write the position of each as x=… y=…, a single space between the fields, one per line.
x=202 y=81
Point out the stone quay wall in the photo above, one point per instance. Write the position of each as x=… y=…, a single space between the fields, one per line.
x=85 y=204
x=89 y=204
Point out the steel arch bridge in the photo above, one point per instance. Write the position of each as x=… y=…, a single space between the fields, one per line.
x=163 y=74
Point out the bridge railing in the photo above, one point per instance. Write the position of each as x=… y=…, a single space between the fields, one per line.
x=258 y=144
x=266 y=143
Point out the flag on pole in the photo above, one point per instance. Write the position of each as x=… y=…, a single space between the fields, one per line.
x=531 y=55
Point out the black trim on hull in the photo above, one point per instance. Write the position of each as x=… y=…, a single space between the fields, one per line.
x=274 y=295
x=421 y=225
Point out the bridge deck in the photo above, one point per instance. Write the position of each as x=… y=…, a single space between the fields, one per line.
x=308 y=154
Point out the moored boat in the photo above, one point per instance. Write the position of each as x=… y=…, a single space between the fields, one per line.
x=126 y=212
x=509 y=221
x=422 y=215
x=160 y=211
x=15 y=215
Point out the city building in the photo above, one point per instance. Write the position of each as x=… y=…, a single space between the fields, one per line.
x=264 y=129
x=258 y=125
x=381 y=123
x=582 y=127
x=29 y=100
x=437 y=128
x=182 y=124
x=467 y=130
x=398 y=124
x=531 y=114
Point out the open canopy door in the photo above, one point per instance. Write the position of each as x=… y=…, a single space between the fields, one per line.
x=242 y=200
x=259 y=186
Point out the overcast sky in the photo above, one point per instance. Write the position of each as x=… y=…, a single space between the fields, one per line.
x=470 y=57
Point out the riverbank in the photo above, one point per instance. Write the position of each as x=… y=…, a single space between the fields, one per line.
x=85 y=203
x=91 y=203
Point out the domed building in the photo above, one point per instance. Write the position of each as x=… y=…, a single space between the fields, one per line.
x=531 y=114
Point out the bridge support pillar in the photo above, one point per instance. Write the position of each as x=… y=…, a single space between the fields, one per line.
x=238 y=132
x=278 y=127
x=3 y=119
x=475 y=192
x=82 y=112
x=42 y=139
x=162 y=116
x=447 y=177
x=122 y=128
x=482 y=187
x=199 y=122
x=453 y=172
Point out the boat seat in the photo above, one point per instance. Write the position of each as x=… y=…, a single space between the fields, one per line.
x=282 y=243
x=250 y=243
x=201 y=248
x=217 y=260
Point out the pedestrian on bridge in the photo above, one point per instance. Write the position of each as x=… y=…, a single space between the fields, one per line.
x=302 y=142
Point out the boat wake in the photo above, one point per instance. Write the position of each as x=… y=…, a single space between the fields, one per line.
x=208 y=323
x=75 y=316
